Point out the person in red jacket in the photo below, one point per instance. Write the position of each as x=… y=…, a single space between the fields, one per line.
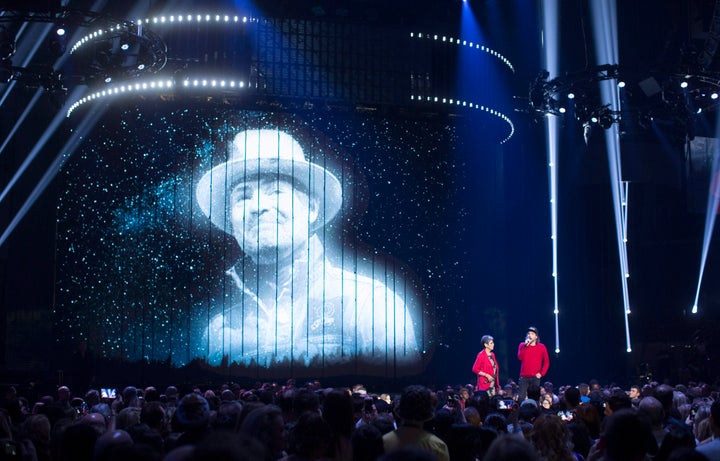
x=486 y=367
x=534 y=361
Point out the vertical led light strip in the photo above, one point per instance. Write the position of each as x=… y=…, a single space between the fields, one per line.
x=552 y=127
x=604 y=17
x=550 y=46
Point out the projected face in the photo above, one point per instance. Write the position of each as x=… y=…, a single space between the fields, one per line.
x=270 y=217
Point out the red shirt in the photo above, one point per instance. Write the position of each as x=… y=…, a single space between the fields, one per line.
x=533 y=360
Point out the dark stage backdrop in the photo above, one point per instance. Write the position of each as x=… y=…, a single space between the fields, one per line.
x=334 y=268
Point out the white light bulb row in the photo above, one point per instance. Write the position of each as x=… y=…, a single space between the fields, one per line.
x=197 y=18
x=460 y=103
x=172 y=19
x=98 y=34
x=457 y=41
x=157 y=85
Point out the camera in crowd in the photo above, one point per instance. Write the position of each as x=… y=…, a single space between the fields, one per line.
x=506 y=404
x=453 y=400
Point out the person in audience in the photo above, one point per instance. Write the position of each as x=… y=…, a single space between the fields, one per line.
x=265 y=424
x=309 y=439
x=337 y=410
x=711 y=449
x=617 y=401
x=221 y=445
x=551 y=437
x=36 y=429
x=652 y=409
x=634 y=394
x=666 y=394
x=569 y=403
x=700 y=421
x=325 y=426
x=626 y=437
x=546 y=405
x=674 y=439
x=590 y=417
x=367 y=443
x=76 y=442
x=511 y=448
x=584 y=389
x=414 y=409
x=192 y=419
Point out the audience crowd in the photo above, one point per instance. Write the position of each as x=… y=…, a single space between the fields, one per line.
x=271 y=422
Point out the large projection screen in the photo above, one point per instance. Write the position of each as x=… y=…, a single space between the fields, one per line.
x=254 y=242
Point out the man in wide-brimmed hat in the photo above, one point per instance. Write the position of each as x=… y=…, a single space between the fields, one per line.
x=292 y=303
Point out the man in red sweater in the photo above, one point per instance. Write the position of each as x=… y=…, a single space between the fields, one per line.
x=534 y=361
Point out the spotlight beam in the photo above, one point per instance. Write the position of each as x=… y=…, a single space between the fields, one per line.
x=710 y=214
x=75 y=139
x=54 y=124
x=16 y=127
x=29 y=56
x=550 y=43
x=604 y=18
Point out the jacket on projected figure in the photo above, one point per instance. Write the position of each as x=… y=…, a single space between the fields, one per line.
x=311 y=312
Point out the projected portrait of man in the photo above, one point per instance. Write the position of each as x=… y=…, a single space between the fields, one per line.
x=289 y=302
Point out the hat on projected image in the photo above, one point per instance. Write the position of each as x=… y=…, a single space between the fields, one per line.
x=254 y=153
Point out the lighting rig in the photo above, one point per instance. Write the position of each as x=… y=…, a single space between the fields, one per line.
x=672 y=100
x=115 y=49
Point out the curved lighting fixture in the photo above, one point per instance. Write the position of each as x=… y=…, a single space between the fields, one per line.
x=470 y=105
x=161 y=86
x=197 y=19
x=469 y=44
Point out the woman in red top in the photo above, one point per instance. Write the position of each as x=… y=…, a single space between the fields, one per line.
x=486 y=367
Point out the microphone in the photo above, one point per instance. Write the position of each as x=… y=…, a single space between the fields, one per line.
x=527 y=341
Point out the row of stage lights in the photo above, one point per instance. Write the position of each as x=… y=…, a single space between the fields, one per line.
x=469 y=44
x=158 y=86
x=471 y=105
x=135 y=31
x=708 y=98
x=199 y=18
x=160 y=20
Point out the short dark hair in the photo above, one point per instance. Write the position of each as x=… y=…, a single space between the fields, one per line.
x=715 y=413
x=628 y=436
x=533 y=391
x=572 y=396
x=415 y=404
x=619 y=400
x=486 y=339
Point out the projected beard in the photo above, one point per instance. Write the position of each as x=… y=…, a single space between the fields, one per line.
x=290 y=303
